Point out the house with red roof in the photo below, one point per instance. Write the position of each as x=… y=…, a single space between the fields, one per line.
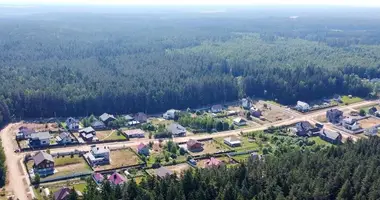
x=98 y=178
x=213 y=162
x=143 y=149
x=116 y=179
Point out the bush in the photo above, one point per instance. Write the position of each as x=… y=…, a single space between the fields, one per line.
x=182 y=151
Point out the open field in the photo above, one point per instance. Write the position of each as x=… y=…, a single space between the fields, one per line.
x=319 y=141
x=347 y=100
x=109 y=135
x=159 y=121
x=121 y=158
x=369 y=122
x=271 y=113
x=52 y=127
x=246 y=144
x=210 y=147
x=242 y=157
x=179 y=168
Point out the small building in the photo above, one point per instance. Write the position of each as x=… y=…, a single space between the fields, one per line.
x=240 y=121
x=98 y=156
x=87 y=134
x=194 y=145
x=128 y=118
x=143 y=149
x=141 y=117
x=25 y=132
x=43 y=164
x=116 y=179
x=232 y=141
x=98 y=178
x=62 y=194
x=213 y=162
x=245 y=103
x=135 y=133
x=65 y=138
x=304 y=128
x=98 y=125
x=331 y=136
x=350 y=124
x=372 y=111
x=133 y=123
x=217 y=108
x=170 y=114
x=106 y=118
x=176 y=130
x=39 y=139
x=334 y=116
x=163 y=172
x=72 y=124
x=302 y=106
x=371 y=131
x=255 y=112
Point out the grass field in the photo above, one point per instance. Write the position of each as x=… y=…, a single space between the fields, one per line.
x=210 y=147
x=242 y=158
x=347 y=100
x=67 y=160
x=319 y=141
x=121 y=158
x=78 y=185
x=109 y=135
x=245 y=144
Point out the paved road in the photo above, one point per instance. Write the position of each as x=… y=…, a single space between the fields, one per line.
x=20 y=189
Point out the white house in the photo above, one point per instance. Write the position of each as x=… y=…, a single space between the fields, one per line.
x=98 y=156
x=302 y=106
x=65 y=138
x=351 y=124
x=232 y=141
x=240 y=121
x=245 y=103
x=72 y=124
x=170 y=114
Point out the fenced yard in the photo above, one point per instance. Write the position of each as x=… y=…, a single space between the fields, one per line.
x=179 y=168
x=369 y=122
x=121 y=158
x=109 y=135
x=246 y=144
x=210 y=147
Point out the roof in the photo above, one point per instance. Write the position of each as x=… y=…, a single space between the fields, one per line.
x=134 y=132
x=232 y=139
x=213 y=162
x=335 y=111
x=71 y=120
x=303 y=104
x=331 y=134
x=97 y=123
x=349 y=120
x=62 y=193
x=41 y=135
x=304 y=126
x=116 y=179
x=64 y=135
x=128 y=117
x=141 y=117
x=371 y=131
x=192 y=142
x=105 y=116
x=141 y=146
x=41 y=156
x=26 y=130
x=239 y=120
x=162 y=172
x=373 y=109
x=97 y=150
x=171 y=111
x=87 y=130
x=176 y=129
x=217 y=107
x=87 y=135
x=98 y=177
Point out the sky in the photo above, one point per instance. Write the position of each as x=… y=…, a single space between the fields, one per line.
x=365 y=3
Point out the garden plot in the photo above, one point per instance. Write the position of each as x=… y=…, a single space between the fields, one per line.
x=246 y=144
x=369 y=122
x=51 y=127
x=109 y=135
x=121 y=158
x=179 y=168
x=159 y=153
x=210 y=147
x=270 y=113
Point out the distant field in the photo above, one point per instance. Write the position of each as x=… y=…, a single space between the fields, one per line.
x=121 y=158
x=347 y=100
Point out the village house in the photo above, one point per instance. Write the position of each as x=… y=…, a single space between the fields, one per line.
x=43 y=164
x=371 y=131
x=143 y=149
x=350 y=124
x=135 y=133
x=63 y=193
x=372 y=111
x=141 y=117
x=302 y=106
x=87 y=134
x=39 y=139
x=98 y=125
x=176 y=130
x=98 y=156
x=217 y=108
x=232 y=141
x=170 y=114
x=116 y=179
x=334 y=116
x=255 y=112
x=65 y=138
x=240 y=121
x=194 y=145
x=72 y=124
x=106 y=118
x=331 y=136
x=304 y=128
x=213 y=162
x=24 y=133
x=163 y=172
x=128 y=118
x=245 y=103
x=98 y=178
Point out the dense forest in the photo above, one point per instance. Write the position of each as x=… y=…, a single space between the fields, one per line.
x=77 y=63
x=349 y=171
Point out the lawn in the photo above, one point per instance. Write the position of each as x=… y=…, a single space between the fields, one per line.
x=242 y=157
x=121 y=158
x=179 y=168
x=79 y=185
x=319 y=141
x=109 y=135
x=67 y=160
x=246 y=144
x=159 y=153
x=210 y=147
x=347 y=100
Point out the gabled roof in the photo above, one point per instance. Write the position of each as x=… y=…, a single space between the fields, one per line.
x=105 y=116
x=176 y=129
x=373 y=109
x=134 y=132
x=41 y=135
x=64 y=135
x=232 y=139
x=239 y=120
x=162 y=172
x=99 y=150
x=349 y=120
x=71 y=120
x=141 y=146
x=213 y=162
x=87 y=130
x=304 y=126
x=41 y=156
x=192 y=142
x=330 y=134
x=26 y=130
x=128 y=117
x=62 y=194
x=141 y=117
x=116 y=179
x=97 y=123
x=98 y=177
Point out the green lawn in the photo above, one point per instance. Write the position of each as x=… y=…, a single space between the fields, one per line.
x=245 y=144
x=319 y=141
x=68 y=160
x=347 y=100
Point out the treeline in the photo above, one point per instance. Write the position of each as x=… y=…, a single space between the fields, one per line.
x=350 y=172
x=82 y=64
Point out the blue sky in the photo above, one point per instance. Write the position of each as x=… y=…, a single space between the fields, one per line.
x=367 y=3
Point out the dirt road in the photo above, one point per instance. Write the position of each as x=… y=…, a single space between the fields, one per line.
x=15 y=176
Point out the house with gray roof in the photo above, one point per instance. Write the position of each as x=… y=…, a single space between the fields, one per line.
x=176 y=130
x=371 y=131
x=141 y=117
x=39 y=139
x=331 y=136
x=43 y=164
x=87 y=134
x=106 y=118
x=98 y=125
x=98 y=156
x=65 y=138
x=163 y=172
x=72 y=124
